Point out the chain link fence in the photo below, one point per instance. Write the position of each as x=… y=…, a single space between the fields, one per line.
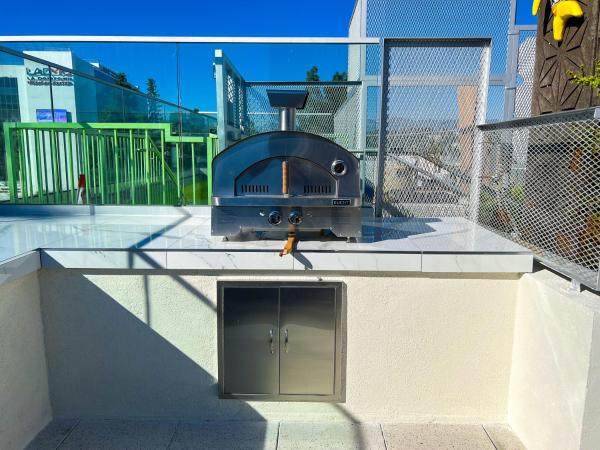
x=434 y=93
x=540 y=186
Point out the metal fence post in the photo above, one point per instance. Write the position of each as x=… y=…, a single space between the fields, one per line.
x=11 y=169
x=512 y=63
x=362 y=135
x=147 y=166
x=210 y=145
x=221 y=82
x=383 y=107
x=480 y=118
x=510 y=90
x=162 y=167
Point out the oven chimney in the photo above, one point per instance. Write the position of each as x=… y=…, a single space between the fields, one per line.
x=287 y=101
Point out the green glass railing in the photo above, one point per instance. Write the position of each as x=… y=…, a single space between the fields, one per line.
x=123 y=163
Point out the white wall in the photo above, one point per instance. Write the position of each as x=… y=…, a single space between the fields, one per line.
x=590 y=438
x=355 y=52
x=554 y=397
x=126 y=344
x=24 y=399
x=430 y=348
x=356 y=21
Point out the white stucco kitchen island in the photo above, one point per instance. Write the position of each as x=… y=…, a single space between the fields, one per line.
x=117 y=316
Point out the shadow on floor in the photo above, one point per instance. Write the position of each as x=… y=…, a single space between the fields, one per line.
x=124 y=357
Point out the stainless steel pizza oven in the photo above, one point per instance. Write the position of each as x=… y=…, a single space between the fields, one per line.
x=286 y=180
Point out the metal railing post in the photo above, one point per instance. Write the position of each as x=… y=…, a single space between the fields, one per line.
x=480 y=118
x=383 y=109
x=23 y=175
x=510 y=90
x=70 y=171
x=362 y=134
x=162 y=172
x=147 y=166
x=102 y=163
x=178 y=170
x=512 y=62
x=29 y=166
x=131 y=169
x=193 y=173
x=116 y=162
x=38 y=162
x=221 y=83
x=44 y=166
x=209 y=158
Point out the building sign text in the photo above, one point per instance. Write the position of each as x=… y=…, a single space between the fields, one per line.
x=45 y=76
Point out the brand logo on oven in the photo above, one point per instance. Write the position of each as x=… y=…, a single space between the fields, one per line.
x=340 y=202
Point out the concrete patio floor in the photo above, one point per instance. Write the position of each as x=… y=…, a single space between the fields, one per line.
x=178 y=435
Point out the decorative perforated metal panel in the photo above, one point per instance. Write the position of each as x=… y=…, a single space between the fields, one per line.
x=540 y=186
x=443 y=19
x=434 y=95
x=332 y=110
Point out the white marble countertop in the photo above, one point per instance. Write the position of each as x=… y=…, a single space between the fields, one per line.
x=179 y=238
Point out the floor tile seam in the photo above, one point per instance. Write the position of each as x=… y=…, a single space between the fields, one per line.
x=173 y=435
x=489 y=437
x=68 y=435
x=385 y=446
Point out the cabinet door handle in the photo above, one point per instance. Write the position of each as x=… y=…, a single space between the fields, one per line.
x=286 y=340
x=271 y=345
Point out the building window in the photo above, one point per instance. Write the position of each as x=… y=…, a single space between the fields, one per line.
x=9 y=100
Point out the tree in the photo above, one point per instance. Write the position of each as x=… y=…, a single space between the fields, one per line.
x=340 y=76
x=313 y=74
x=581 y=79
x=121 y=79
x=154 y=108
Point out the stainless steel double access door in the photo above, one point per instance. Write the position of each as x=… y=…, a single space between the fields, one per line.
x=280 y=341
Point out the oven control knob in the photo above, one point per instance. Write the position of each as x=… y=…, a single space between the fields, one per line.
x=295 y=218
x=274 y=218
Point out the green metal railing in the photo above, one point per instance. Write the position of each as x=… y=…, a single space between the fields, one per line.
x=123 y=163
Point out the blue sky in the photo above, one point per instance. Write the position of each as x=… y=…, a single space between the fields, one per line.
x=524 y=12
x=179 y=18
x=189 y=18
x=197 y=18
